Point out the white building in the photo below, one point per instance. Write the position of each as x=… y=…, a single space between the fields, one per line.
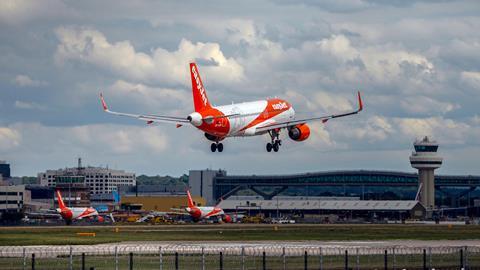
x=100 y=180
x=13 y=198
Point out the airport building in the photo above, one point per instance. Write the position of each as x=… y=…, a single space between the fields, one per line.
x=401 y=189
x=5 y=170
x=98 y=180
x=13 y=198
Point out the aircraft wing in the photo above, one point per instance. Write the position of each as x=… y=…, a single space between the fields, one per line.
x=149 y=118
x=324 y=119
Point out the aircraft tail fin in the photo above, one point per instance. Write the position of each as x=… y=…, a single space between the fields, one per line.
x=61 y=205
x=200 y=99
x=190 y=201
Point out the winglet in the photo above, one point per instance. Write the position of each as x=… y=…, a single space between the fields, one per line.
x=360 y=103
x=104 y=104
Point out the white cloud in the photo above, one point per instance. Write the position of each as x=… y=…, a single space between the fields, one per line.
x=25 y=81
x=28 y=105
x=107 y=139
x=422 y=105
x=9 y=138
x=161 y=100
x=20 y=11
x=161 y=65
x=472 y=78
x=447 y=131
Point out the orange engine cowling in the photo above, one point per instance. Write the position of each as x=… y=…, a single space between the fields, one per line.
x=299 y=132
x=227 y=219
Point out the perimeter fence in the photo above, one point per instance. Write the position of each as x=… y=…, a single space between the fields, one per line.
x=241 y=257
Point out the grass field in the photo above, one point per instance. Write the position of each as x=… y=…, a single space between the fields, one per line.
x=232 y=232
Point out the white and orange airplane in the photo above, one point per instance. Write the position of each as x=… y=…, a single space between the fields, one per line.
x=205 y=212
x=239 y=120
x=70 y=214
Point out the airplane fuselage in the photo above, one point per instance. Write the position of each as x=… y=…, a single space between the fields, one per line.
x=74 y=213
x=242 y=119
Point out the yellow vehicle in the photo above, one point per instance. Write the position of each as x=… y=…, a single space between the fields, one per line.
x=253 y=219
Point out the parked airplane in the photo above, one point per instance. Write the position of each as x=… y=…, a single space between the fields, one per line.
x=75 y=213
x=205 y=212
x=238 y=120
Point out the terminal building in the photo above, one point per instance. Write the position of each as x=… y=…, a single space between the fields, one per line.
x=404 y=191
x=97 y=180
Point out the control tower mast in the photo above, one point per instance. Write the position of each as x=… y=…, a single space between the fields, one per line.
x=426 y=160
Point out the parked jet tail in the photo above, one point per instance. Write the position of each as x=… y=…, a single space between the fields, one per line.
x=61 y=205
x=190 y=201
x=200 y=99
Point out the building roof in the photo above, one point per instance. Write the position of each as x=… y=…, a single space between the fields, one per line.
x=319 y=205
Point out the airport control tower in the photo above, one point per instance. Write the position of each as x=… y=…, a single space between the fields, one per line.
x=426 y=160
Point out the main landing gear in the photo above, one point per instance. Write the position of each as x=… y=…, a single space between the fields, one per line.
x=216 y=146
x=276 y=142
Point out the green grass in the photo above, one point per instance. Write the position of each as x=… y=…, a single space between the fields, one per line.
x=231 y=232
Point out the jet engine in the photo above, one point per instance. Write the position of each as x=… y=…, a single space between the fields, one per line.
x=212 y=138
x=66 y=214
x=227 y=219
x=195 y=118
x=195 y=213
x=299 y=132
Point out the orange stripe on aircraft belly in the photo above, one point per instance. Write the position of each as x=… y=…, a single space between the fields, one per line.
x=274 y=107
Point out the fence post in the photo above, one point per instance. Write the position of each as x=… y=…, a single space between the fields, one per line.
x=430 y=258
x=70 y=262
x=203 y=258
x=160 y=255
x=284 y=259
x=305 y=261
x=83 y=260
x=394 y=266
x=24 y=259
x=461 y=258
x=243 y=258
x=176 y=260
x=131 y=261
x=33 y=261
x=358 y=260
x=221 y=260
x=386 y=260
x=466 y=258
x=321 y=259
x=424 y=259
x=346 y=259
x=264 y=261
x=116 y=257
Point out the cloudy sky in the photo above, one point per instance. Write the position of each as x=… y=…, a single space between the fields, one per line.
x=417 y=64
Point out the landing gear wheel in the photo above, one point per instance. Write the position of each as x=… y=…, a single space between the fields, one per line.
x=213 y=147
x=220 y=147
x=276 y=146
x=269 y=147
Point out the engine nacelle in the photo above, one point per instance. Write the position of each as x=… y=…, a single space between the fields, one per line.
x=212 y=138
x=227 y=219
x=195 y=119
x=299 y=132
x=195 y=213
